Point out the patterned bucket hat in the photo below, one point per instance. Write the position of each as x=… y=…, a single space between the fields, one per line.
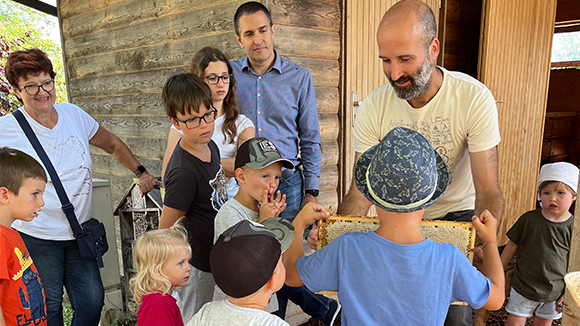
x=402 y=173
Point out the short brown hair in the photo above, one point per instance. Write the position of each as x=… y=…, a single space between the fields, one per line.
x=249 y=8
x=21 y=64
x=16 y=166
x=184 y=93
x=547 y=183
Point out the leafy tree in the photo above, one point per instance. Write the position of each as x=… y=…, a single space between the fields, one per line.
x=566 y=47
x=24 y=28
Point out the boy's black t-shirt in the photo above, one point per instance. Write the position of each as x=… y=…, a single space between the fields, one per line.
x=541 y=257
x=198 y=188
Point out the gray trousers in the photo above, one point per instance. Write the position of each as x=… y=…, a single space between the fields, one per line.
x=197 y=291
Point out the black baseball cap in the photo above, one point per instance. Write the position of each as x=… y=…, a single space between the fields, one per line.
x=244 y=257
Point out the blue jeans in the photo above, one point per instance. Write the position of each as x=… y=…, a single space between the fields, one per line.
x=292 y=188
x=59 y=263
x=315 y=305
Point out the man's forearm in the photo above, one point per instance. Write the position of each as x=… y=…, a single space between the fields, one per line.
x=354 y=203
x=311 y=160
x=493 y=202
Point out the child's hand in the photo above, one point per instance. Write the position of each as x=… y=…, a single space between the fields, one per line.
x=271 y=207
x=310 y=213
x=486 y=226
x=560 y=304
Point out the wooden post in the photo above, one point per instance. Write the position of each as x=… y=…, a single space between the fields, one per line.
x=571 y=313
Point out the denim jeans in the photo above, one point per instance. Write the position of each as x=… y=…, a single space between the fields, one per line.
x=292 y=188
x=315 y=305
x=232 y=187
x=59 y=263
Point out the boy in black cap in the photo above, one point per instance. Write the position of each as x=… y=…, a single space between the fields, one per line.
x=247 y=266
x=258 y=166
x=394 y=276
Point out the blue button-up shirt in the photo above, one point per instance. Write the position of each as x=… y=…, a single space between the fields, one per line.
x=282 y=105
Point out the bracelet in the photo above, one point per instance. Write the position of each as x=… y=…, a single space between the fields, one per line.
x=485 y=244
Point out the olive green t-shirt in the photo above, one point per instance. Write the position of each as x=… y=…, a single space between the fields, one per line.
x=541 y=257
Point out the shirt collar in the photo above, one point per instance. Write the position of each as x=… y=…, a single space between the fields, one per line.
x=277 y=64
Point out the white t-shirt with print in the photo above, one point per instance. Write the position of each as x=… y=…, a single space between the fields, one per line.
x=461 y=118
x=67 y=146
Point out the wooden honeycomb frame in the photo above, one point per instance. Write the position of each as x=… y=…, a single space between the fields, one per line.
x=438 y=231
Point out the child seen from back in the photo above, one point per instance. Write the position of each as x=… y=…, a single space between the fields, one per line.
x=247 y=266
x=161 y=259
x=194 y=181
x=540 y=239
x=258 y=167
x=394 y=275
x=22 y=182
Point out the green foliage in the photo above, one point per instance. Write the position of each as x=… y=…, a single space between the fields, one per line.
x=566 y=47
x=124 y=320
x=18 y=21
x=67 y=314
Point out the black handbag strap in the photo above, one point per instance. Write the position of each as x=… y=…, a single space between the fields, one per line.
x=67 y=206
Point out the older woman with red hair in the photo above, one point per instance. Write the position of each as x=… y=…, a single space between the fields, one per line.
x=65 y=132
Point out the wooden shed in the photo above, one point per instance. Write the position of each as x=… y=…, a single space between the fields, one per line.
x=118 y=54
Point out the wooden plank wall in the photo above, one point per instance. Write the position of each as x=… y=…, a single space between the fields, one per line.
x=118 y=54
x=308 y=33
x=363 y=68
x=519 y=79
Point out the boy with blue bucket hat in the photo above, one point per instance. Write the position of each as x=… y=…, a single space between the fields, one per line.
x=394 y=275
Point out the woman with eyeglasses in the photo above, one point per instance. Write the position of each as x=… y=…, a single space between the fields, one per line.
x=65 y=132
x=231 y=127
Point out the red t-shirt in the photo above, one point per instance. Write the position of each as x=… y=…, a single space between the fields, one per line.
x=159 y=309
x=21 y=293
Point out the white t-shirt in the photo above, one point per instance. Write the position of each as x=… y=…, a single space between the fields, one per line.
x=67 y=146
x=460 y=118
x=227 y=150
x=226 y=313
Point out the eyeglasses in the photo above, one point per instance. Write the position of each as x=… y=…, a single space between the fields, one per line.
x=213 y=79
x=35 y=89
x=194 y=122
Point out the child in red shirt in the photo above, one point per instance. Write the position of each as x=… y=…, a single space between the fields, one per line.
x=22 y=182
x=161 y=258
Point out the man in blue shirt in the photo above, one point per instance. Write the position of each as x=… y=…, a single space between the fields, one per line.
x=278 y=96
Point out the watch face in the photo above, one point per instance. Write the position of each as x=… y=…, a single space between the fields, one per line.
x=140 y=169
x=312 y=192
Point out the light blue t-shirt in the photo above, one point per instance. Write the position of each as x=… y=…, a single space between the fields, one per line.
x=380 y=282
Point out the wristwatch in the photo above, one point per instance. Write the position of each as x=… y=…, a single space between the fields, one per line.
x=313 y=192
x=140 y=169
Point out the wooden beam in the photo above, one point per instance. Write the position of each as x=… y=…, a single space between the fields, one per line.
x=565 y=64
x=40 y=6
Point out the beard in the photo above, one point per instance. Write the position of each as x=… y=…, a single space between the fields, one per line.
x=420 y=82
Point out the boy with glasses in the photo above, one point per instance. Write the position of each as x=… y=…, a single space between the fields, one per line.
x=194 y=181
